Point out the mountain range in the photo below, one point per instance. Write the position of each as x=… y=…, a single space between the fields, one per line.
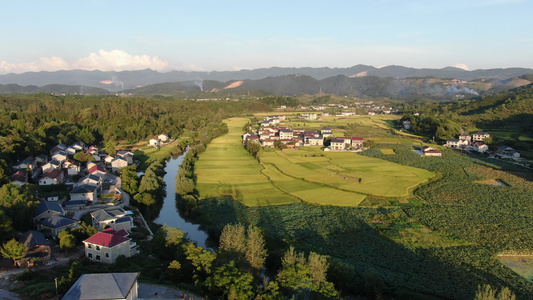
x=359 y=80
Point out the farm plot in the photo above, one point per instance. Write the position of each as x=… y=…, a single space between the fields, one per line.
x=349 y=172
x=227 y=169
x=311 y=192
x=387 y=151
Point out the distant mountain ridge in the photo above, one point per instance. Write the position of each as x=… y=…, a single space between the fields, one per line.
x=117 y=81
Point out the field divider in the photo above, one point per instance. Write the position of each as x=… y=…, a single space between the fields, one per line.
x=278 y=187
x=313 y=182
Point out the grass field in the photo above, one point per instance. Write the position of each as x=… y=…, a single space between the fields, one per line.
x=308 y=174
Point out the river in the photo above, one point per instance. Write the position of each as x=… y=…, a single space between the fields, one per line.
x=169 y=214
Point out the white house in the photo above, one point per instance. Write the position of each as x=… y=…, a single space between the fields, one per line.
x=316 y=141
x=105 y=246
x=480 y=136
x=127 y=155
x=455 y=143
x=52 y=165
x=116 y=218
x=52 y=177
x=337 y=144
x=118 y=163
x=285 y=134
x=154 y=142
x=163 y=137
x=480 y=147
x=84 y=192
x=60 y=156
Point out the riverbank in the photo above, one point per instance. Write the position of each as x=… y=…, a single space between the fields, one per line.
x=169 y=214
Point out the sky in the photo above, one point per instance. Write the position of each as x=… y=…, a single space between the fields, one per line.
x=203 y=35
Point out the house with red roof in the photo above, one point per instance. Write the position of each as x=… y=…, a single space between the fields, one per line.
x=98 y=171
x=106 y=245
x=357 y=142
x=52 y=177
x=429 y=151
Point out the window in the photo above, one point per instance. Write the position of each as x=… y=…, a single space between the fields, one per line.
x=89 y=246
x=97 y=248
x=90 y=255
x=98 y=257
x=107 y=255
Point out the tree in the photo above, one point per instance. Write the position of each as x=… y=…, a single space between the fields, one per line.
x=184 y=186
x=83 y=157
x=255 y=248
x=83 y=231
x=67 y=240
x=13 y=249
x=6 y=226
x=233 y=283
x=200 y=258
x=173 y=236
x=129 y=180
x=486 y=292
x=233 y=239
x=17 y=204
x=253 y=148
x=145 y=198
x=300 y=275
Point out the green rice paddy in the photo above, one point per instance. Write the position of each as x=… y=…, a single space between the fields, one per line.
x=307 y=174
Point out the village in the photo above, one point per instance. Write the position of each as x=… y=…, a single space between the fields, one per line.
x=68 y=189
x=271 y=135
x=477 y=142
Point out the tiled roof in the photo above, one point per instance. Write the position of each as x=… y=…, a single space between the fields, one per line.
x=33 y=238
x=121 y=232
x=53 y=174
x=83 y=189
x=102 y=286
x=96 y=168
x=48 y=205
x=107 y=239
x=57 y=221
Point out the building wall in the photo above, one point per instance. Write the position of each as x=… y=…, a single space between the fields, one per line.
x=107 y=255
x=86 y=196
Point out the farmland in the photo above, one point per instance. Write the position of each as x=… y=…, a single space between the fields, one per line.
x=308 y=174
x=227 y=169
x=442 y=240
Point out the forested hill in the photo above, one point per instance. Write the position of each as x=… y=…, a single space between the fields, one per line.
x=51 y=89
x=406 y=89
x=33 y=124
x=508 y=116
x=360 y=87
x=115 y=81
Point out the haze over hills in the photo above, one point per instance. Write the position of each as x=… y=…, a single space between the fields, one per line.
x=132 y=79
x=357 y=81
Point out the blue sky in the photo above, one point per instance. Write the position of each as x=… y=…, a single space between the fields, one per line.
x=231 y=35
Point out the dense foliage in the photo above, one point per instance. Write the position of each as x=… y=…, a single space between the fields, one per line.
x=33 y=124
x=510 y=113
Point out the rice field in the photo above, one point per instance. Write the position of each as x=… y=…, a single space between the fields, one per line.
x=226 y=168
x=307 y=174
x=387 y=151
x=348 y=171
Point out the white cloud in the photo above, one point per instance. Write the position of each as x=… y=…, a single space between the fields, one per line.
x=114 y=60
x=53 y=63
x=119 y=60
x=462 y=66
